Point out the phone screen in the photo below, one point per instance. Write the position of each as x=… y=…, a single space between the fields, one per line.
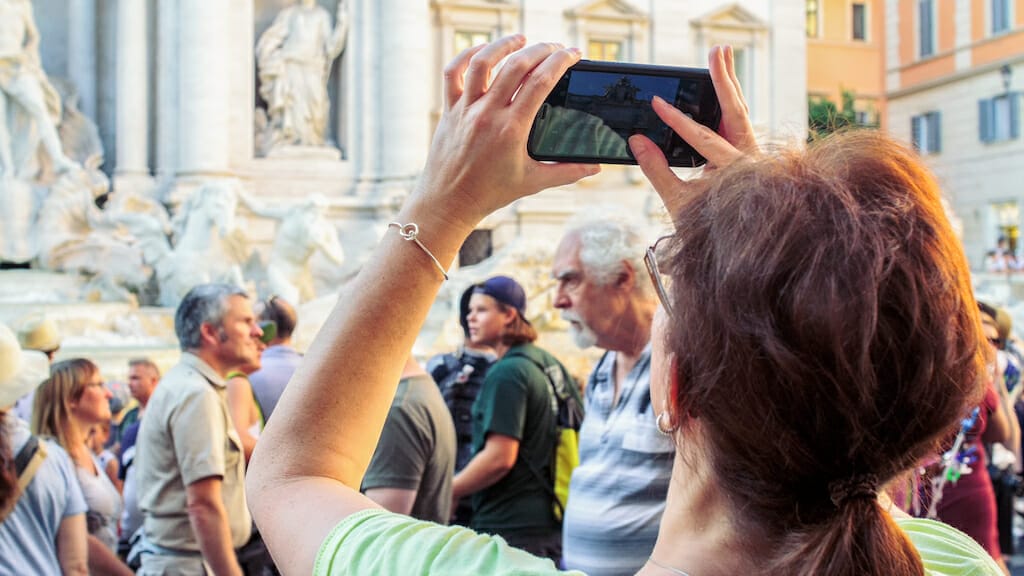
x=590 y=114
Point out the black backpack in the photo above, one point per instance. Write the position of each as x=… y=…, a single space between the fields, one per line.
x=460 y=377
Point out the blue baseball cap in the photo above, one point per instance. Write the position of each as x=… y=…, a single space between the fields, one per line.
x=504 y=290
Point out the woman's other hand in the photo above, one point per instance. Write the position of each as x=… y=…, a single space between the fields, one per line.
x=734 y=139
x=478 y=161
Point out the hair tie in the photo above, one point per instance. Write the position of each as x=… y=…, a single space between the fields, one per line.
x=856 y=486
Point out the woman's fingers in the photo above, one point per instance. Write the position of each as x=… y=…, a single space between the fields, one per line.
x=478 y=75
x=542 y=79
x=517 y=69
x=735 y=123
x=454 y=74
x=653 y=163
x=717 y=150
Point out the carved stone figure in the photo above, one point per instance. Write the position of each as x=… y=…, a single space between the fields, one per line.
x=74 y=235
x=303 y=230
x=206 y=243
x=294 y=57
x=29 y=105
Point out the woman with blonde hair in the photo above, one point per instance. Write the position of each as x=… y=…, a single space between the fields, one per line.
x=68 y=405
x=817 y=336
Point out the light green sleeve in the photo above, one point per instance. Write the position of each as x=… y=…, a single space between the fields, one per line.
x=382 y=543
x=946 y=551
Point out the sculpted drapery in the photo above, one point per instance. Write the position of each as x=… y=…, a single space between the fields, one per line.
x=294 y=57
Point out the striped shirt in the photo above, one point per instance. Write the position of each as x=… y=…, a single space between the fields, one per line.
x=617 y=493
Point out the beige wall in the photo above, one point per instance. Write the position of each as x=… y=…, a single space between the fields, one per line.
x=836 y=62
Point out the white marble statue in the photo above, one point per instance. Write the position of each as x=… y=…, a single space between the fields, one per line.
x=206 y=243
x=74 y=235
x=29 y=106
x=303 y=230
x=294 y=57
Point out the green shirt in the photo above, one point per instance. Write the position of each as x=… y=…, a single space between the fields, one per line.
x=416 y=450
x=384 y=544
x=515 y=401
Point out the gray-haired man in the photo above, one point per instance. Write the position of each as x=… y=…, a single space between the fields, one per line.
x=190 y=464
x=617 y=494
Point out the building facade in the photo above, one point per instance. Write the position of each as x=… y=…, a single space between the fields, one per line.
x=845 y=47
x=953 y=80
x=173 y=87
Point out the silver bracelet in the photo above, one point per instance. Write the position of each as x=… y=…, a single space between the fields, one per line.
x=410 y=231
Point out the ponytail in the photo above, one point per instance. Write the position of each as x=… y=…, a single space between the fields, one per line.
x=859 y=540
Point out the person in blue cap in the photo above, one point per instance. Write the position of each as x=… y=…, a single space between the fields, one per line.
x=513 y=425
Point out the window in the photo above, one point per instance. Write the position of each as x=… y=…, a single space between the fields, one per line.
x=741 y=63
x=925 y=28
x=999 y=117
x=604 y=50
x=467 y=39
x=813 y=30
x=476 y=248
x=926 y=132
x=1000 y=16
x=860 y=21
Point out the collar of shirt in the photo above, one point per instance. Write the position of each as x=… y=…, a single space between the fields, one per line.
x=191 y=360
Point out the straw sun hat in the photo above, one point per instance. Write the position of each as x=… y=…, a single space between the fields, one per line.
x=21 y=371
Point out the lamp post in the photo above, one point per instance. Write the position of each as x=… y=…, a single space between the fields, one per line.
x=1007 y=74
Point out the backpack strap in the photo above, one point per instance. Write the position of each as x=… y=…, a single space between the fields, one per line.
x=28 y=461
x=26 y=464
x=547 y=483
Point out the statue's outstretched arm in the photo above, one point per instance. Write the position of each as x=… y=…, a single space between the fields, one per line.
x=260 y=208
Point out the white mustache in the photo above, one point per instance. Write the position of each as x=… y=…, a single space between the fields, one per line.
x=569 y=316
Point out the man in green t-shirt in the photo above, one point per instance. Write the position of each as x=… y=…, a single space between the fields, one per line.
x=513 y=425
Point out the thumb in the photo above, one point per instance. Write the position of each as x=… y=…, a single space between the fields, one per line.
x=558 y=174
x=655 y=167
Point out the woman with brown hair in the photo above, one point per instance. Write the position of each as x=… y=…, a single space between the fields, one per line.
x=42 y=511
x=817 y=338
x=68 y=405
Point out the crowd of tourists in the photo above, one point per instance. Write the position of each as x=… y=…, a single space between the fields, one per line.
x=790 y=375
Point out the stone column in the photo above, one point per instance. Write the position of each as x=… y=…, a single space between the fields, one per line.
x=204 y=77
x=132 y=165
x=82 y=53
x=390 y=52
x=167 y=93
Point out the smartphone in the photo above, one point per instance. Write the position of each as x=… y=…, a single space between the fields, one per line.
x=597 y=106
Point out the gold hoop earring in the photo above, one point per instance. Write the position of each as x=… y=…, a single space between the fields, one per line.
x=664 y=423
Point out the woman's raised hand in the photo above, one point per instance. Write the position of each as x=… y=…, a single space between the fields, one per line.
x=734 y=139
x=478 y=161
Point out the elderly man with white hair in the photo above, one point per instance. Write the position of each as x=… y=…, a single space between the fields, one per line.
x=617 y=494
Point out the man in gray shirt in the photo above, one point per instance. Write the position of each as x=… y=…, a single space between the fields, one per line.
x=411 y=470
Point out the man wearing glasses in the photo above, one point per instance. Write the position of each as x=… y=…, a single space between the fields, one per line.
x=617 y=494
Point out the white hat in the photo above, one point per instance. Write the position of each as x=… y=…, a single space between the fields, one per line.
x=39 y=332
x=21 y=371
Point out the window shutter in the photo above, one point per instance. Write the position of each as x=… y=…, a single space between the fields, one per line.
x=1014 y=114
x=915 y=131
x=925 y=13
x=985 y=120
x=935 y=132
